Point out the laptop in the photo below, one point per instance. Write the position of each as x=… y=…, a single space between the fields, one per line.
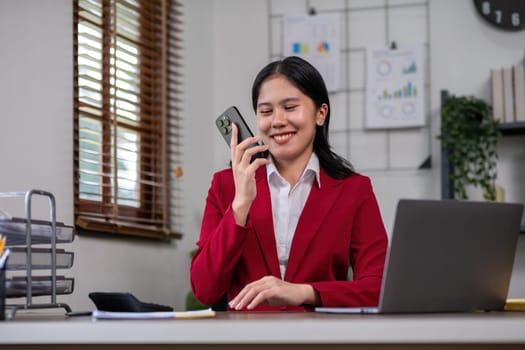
x=447 y=256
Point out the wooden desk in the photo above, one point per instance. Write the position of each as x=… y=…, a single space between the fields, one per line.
x=270 y=330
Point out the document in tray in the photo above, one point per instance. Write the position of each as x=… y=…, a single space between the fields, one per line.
x=15 y=231
x=40 y=258
x=112 y=315
x=41 y=285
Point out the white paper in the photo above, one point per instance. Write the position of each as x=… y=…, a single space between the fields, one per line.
x=316 y=38
x=347 y=310
x=111 y=315
x=395 y=90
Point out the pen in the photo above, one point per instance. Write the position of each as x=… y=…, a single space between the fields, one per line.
x=2 y=243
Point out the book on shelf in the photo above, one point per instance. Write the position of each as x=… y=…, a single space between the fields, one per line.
x=508 y=96
x=497 y=93
x=519 y=92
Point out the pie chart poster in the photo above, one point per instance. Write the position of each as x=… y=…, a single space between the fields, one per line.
x=395 y=88
x=317 y=39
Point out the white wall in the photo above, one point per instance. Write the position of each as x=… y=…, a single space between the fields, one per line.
x=240 y=49
x=36 y=148
x=225 y=44
x=463 y=50
x=462 y=66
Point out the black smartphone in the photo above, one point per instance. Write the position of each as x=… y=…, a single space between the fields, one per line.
x=224 y=125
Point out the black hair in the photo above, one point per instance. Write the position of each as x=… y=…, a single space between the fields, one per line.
x=307 y=78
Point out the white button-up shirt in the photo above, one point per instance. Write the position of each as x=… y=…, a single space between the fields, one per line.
x=288 y=204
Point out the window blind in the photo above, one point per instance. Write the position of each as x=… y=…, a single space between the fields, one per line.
x=127 y=150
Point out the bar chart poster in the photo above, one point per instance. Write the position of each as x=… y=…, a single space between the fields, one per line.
x=395 y=88
x=316 y=38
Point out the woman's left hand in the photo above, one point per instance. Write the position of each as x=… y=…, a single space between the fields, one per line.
x=274 y=291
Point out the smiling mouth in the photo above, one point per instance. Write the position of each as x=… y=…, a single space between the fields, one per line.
x=282 y=137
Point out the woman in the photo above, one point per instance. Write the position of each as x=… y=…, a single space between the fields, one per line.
x=281 y=233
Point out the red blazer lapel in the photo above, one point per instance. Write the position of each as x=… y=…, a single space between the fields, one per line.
x=262 y=222
x=315 y=212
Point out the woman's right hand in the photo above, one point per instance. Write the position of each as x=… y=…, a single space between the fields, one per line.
x=244 y=174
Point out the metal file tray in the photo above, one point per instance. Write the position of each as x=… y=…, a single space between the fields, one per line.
x=40 y=259
x=41 y=285
x=25 y=234
x=41 y=230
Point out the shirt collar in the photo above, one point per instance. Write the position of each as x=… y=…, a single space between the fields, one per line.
x=311 y=166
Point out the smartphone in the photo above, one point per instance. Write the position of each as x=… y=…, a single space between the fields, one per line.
x=224 y=125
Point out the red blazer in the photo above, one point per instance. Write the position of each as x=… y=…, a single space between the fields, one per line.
x=340 y=226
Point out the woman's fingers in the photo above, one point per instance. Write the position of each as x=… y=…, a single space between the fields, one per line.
x=244 y=151
x=274 y=291
x=233 y=144
x=258 y=292
x=251 y=151
x=247 y=294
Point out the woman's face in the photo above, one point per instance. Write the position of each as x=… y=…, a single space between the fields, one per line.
x=287 y=120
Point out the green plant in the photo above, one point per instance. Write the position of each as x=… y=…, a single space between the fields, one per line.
x=470 y=135
x=191 y=301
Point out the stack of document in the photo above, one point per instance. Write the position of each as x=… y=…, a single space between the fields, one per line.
x=515 y=304
x=113 y=315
